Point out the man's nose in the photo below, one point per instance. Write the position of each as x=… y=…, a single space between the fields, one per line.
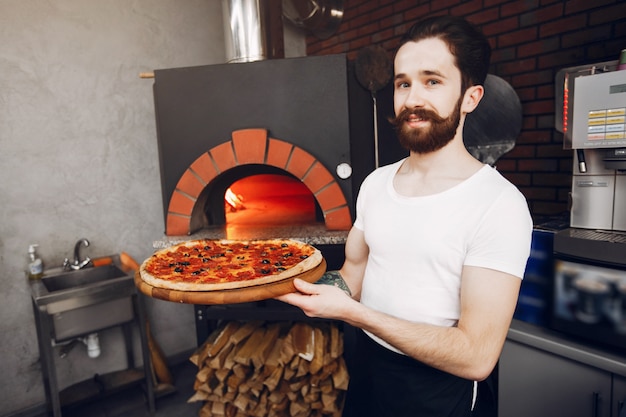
x=414 y=98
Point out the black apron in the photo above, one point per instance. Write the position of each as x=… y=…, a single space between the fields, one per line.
x=384 y=383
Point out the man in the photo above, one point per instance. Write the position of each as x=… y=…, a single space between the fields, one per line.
x=435 y=258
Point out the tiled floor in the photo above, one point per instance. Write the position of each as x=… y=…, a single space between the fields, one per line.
x=132 y=402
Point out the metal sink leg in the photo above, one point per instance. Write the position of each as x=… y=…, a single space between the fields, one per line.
x=43 y=322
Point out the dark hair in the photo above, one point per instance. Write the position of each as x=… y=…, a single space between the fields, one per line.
x=467 y=44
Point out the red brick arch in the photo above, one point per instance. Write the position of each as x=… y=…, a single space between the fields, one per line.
x=253 y=146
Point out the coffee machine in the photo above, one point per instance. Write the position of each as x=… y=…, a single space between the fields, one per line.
x=594 y=110
x=589 y=289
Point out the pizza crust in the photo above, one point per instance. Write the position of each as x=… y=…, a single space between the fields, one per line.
x=307 y=264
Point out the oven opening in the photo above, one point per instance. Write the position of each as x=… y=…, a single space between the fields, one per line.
x=257 y=195
x=269 y=199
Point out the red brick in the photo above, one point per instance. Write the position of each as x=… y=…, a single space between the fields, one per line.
x=586 y=36
x=541 y=15
x=467 y=7
x=381 y=13
x=223 y=156
x=521 y=151
x=176 y=225
x=516 y=178
x=517 y=7
x=539 y=107
x=249 y=145
x=382 y=36
x=500 y=26
x=359 y=43
x=517 y=66
x=484 y=16
x=526 y=93
x=607 y=15
x=278 y=152
x=181 y=203
x=190 y=184
x=538 y=165
x=575 y=6
x=545 y=91
x=317 y=177
x=440 y=5
x=203 y=167
x=506 y=164
x=338 y=219
x=489 y=3
x=552 y=179
x=540 y=193
x=563 y=25
x=402 y=5
x=562 y=58
x=539 y=47
x=502 y=55
x=300 y=162
x=533 y=78
x=416 y=12
x=517 y=37
x=330 y=197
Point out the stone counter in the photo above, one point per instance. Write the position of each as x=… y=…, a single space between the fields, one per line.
x=313 y=234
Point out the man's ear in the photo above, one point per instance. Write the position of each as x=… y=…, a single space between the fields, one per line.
x=472 y=97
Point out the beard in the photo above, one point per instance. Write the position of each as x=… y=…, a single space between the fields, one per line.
x=427 y=139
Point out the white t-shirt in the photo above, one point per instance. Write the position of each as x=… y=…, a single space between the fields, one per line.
x=419 y=245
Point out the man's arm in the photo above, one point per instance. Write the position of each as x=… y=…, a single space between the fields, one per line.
x=353 y=268
x=469 y=350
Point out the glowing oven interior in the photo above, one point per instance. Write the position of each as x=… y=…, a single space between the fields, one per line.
x=269 y=199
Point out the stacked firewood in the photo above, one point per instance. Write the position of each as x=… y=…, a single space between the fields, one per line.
x=265 y=369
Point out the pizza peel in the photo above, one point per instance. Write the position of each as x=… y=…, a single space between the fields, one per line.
x=233 y=296
x=491 y=130
x=373 y=70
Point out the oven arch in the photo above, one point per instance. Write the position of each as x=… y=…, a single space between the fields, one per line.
x=185 y=212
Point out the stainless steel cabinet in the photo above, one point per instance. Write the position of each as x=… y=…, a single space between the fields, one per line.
x=536 y=383
x=619 y=396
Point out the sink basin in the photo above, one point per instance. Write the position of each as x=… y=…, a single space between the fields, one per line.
x=84 y=301
x=70 y=279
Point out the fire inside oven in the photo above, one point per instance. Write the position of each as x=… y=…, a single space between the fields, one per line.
x=270 y=199
x=261 y=195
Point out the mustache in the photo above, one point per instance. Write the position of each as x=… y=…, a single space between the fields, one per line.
x=421 y=113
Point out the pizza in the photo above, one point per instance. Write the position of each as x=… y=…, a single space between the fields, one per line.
x=212 y=265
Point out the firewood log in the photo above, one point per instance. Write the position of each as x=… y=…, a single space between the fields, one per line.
x=258 y=369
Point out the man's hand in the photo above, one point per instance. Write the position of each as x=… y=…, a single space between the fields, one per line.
x=323 y=301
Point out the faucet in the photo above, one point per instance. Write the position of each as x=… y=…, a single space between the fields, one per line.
x=77 y=264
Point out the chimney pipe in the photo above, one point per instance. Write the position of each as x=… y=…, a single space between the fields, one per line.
x=247 y=25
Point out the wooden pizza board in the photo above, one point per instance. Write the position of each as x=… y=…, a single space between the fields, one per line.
x=234 y=296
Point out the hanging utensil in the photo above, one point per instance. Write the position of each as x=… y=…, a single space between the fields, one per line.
x=373 y=71
x=491 y=130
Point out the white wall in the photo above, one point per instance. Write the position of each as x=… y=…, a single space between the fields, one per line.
x=78 y=156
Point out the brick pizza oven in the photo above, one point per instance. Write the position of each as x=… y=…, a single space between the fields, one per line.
x=297 y=117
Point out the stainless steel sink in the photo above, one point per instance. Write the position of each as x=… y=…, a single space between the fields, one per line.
x=70 y=279
x=71 y=304
x=86 y=300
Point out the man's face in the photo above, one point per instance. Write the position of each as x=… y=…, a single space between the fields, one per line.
x=427 y=97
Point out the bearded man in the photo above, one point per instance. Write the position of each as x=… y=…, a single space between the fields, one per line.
x=435 y=257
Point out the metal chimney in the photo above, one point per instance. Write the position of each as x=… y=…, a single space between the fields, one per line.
x=243 y=31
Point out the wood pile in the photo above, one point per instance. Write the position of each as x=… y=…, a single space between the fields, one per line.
x=266 y=369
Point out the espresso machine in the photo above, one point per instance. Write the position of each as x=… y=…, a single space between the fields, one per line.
x=594 y=111
x=589 y=292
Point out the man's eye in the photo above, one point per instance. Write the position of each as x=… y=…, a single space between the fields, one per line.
x=402 y=85
x=432 y=82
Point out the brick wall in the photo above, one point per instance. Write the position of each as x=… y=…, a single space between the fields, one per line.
x=531 y=41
